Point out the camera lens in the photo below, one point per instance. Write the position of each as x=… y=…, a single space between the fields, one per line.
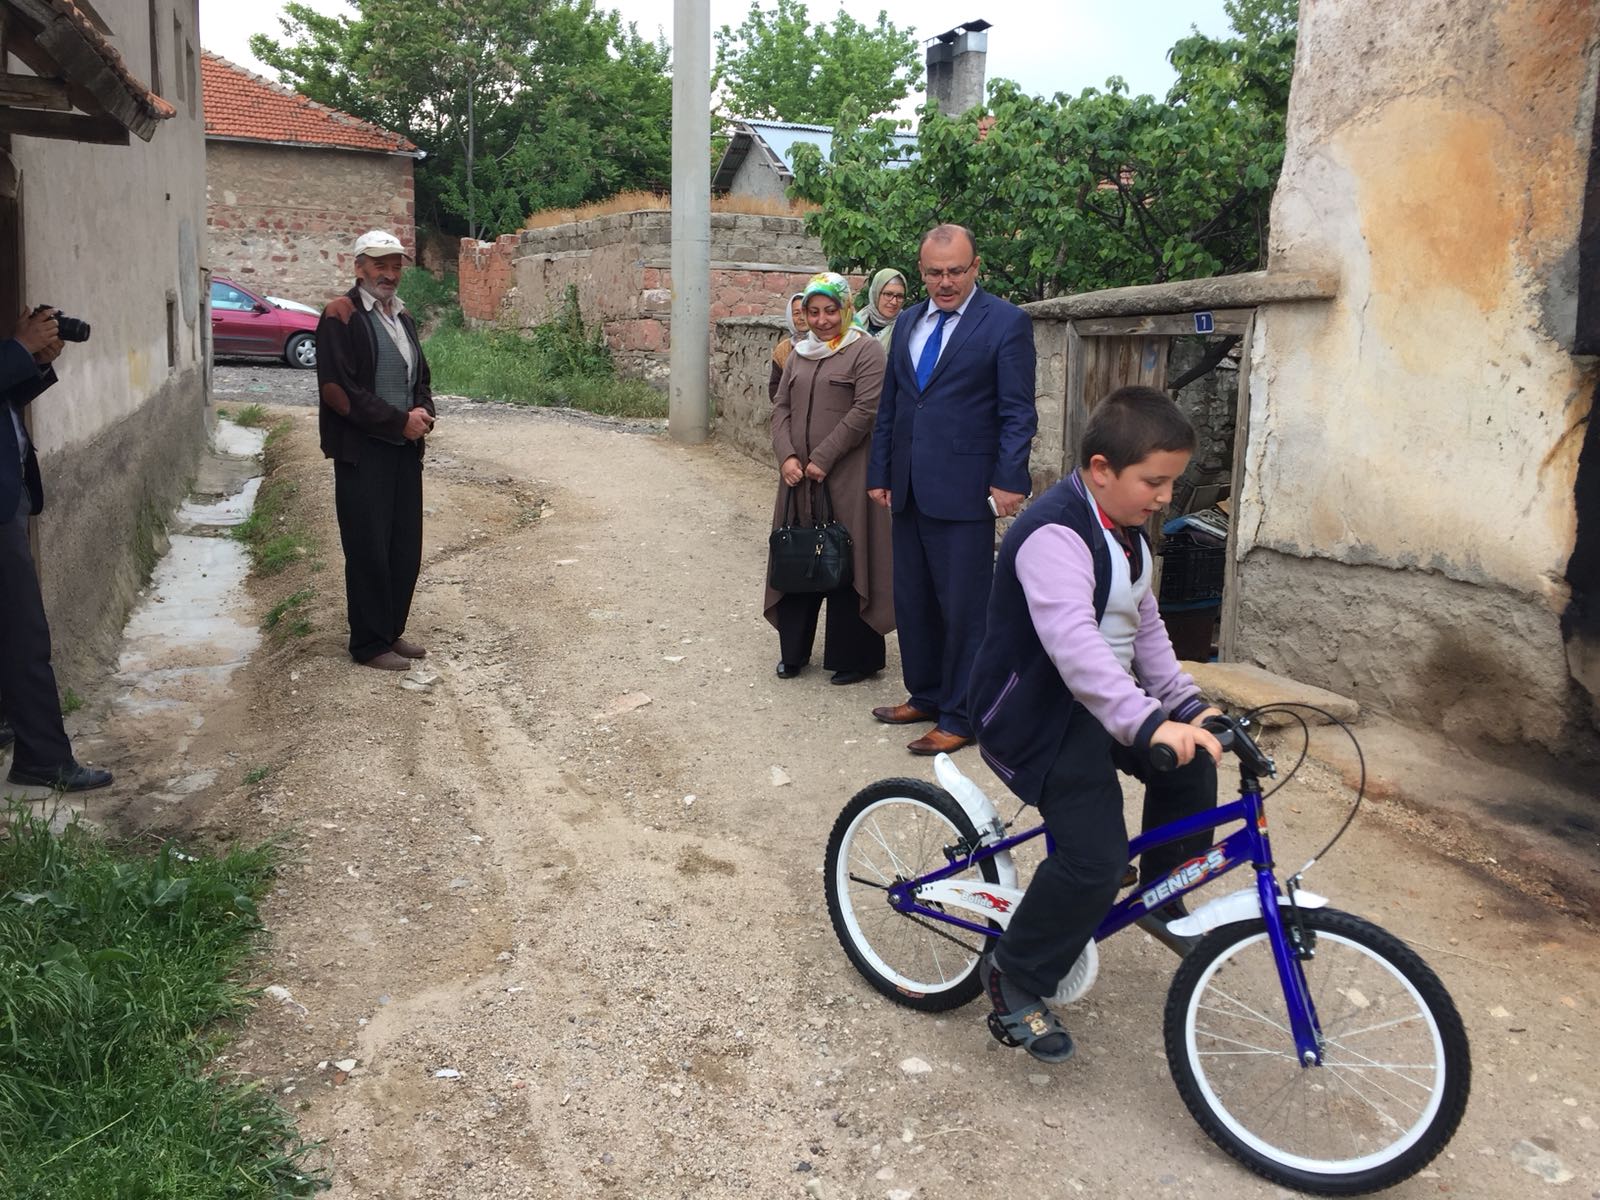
x=71 y=329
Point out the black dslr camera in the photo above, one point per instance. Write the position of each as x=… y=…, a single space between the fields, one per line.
x=68 y=329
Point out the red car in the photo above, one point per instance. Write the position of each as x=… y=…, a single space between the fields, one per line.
x=261 y=326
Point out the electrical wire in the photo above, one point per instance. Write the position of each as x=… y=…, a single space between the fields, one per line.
x=1289 y=707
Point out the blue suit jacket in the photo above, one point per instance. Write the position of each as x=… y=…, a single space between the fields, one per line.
x=21 y=379
x=972 y=427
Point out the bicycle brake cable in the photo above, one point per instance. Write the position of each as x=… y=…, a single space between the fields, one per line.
x=1289 y=707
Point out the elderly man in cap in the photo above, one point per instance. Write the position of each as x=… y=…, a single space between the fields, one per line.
x=376 y=410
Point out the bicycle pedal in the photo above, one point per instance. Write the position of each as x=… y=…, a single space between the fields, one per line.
x=998 y=1029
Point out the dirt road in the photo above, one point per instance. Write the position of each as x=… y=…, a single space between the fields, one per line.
x=606 y=914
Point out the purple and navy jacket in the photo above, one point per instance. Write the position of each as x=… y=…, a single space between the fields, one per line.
x=1043 y=650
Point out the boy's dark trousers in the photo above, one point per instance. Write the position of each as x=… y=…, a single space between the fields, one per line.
x=378 y=500
x=1073 y=888
x=849 y=643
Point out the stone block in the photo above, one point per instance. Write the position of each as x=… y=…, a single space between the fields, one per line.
x=1242 y=686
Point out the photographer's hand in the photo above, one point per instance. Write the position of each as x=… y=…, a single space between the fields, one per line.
x=50 y=353
x=36 y=330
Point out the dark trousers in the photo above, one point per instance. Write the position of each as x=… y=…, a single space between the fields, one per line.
x=1073 y=888
x=942 y=573
x=28 y=695
x=378 y=500
x=849 y=643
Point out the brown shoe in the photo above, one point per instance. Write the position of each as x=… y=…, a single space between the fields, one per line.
x=938 y=741
x=902 y=714
x=388 y=661
x=407 y=649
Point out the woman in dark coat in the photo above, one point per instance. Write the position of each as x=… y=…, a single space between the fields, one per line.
x=822 y=418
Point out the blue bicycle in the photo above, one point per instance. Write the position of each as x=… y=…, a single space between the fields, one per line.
x=1314 y=1047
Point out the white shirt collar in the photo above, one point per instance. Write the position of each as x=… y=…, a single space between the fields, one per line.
x=370 y=302
x=934 y=310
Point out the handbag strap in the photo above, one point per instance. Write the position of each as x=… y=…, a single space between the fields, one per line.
x=821 y=514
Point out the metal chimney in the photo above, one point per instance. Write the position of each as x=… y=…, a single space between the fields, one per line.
x=957 y=63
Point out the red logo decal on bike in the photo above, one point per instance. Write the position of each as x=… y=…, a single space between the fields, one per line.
x=998 y=903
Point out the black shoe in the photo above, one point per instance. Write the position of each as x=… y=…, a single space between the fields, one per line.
x=7 y=734
x=845 y=678
x=1155 y=924
x=74 y=777
x=790 y=670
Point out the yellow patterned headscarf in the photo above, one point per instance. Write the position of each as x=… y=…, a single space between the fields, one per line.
x=836 y=288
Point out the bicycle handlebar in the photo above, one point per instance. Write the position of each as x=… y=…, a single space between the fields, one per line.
x=1226 y=730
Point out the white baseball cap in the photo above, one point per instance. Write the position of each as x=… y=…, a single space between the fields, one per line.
x=378 y=243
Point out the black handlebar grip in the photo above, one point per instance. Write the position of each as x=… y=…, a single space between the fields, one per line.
x=1163 y=758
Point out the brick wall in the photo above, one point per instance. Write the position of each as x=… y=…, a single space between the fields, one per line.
x=622 y=267
x=282 y=220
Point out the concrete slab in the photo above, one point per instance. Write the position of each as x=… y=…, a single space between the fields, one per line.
x=1242 y=686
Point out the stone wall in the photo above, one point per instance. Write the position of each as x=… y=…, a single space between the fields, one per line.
x=283 y=219
x=1409 y=506
x=621 y=266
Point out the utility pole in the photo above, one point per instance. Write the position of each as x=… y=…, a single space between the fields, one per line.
x=689 y=407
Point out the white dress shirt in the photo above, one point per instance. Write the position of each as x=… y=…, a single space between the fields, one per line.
x=923 y=329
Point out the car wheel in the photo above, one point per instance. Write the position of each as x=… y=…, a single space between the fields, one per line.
x=302 y=351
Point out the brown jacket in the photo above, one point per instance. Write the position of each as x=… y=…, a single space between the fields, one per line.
x=823 y=413
x=347 y=356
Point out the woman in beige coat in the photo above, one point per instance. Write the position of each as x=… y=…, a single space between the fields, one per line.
x=822 y=418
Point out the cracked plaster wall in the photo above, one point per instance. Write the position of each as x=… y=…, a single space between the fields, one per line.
x=1408 y=511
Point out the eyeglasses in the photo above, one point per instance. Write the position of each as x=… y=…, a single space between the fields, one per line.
x=936 y=275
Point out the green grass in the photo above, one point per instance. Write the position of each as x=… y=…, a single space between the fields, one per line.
x=426 y=296
x=116 y=981
x=286 y=607
x=274 y=541
x=251 y=416
x=255 y=775
x=497 y=365
x=71 y=703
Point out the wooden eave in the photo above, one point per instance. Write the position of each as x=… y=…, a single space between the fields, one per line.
x=80 y=90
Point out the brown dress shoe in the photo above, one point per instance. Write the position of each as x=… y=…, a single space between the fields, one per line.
x=388 y=661
x=902 y=714
x=407 y=649
x=938 y=741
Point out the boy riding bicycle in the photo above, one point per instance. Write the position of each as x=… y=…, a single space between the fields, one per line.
x=1075 y=680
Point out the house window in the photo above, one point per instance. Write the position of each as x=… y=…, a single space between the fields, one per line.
x=172 y=332
x=155 y=49
x=194 y=81
x=177 y=56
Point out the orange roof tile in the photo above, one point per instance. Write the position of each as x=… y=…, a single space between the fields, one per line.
x=241 y=104
x=153 y=104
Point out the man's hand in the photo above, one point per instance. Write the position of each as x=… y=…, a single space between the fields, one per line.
x=1184 y=740
x=418 y=424
x=50 y=353
x=792 y=471
x=880 y=496
x=815 y=472
x=36 y=331
x=1006 y=503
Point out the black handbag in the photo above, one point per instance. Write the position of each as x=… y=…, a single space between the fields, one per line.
x=810 y=558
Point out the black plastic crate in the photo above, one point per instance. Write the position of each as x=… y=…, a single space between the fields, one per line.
x=1190 y=570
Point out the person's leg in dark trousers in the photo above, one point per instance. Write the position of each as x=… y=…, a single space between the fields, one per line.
x=849 y=643
x=960 y=568
x=405 y=536
x=1074 y=886
x=363 y=500
x=918 y=622
x=797 y=626
x=1170 y=796
x=28 y=694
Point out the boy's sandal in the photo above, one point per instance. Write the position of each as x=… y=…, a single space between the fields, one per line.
x=1033 y=1027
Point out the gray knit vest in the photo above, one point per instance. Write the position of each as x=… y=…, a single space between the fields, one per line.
x=390 y=380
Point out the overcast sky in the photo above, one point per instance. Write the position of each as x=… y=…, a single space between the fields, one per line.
x=1045 y=45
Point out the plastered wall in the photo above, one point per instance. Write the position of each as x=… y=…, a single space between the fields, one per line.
x=1409 y=505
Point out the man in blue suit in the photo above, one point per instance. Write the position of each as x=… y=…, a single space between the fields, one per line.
x=949 y=455
x=28 y=697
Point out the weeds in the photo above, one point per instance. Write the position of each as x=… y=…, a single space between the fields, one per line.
x=115 y=972
x=273 y=542
x=299 y=626
x=255 y=775
x=251 y=416
x=71 y=703
x=426 y=296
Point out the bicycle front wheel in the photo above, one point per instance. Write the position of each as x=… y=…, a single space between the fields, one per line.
x=1395 y=1068
x=894 y=830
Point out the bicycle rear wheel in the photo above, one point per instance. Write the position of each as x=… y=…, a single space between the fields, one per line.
x=1395 y=1073
x=894 y=830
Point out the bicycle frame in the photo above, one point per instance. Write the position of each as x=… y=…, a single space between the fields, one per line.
x=1249 y=843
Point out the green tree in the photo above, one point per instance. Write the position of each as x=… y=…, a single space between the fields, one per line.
x=519 y=105
x=1075 y=193
x=777 y=65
